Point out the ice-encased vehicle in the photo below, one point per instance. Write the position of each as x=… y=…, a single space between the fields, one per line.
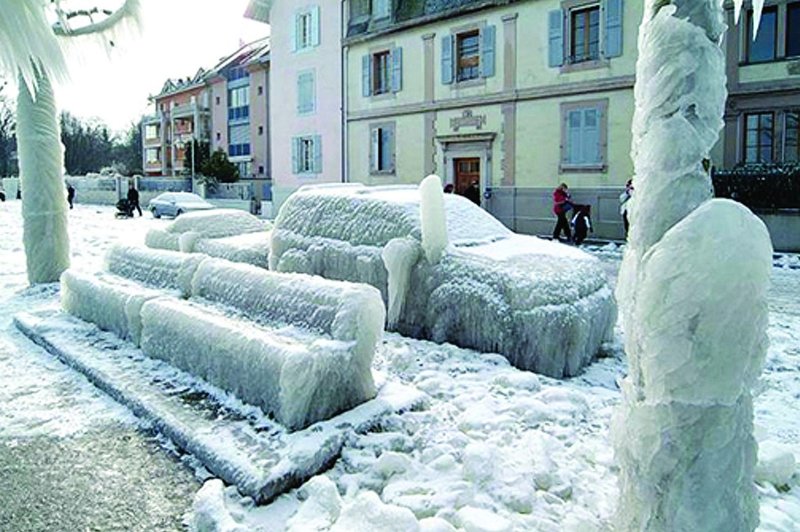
x=545 y=306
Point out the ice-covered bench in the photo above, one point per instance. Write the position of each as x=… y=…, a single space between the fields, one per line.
x=224 y=233
x=299 y=347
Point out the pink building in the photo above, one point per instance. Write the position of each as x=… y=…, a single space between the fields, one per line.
x=306 y=101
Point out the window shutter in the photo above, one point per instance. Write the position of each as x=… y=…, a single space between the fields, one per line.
x=555 y=56
x=574 y=138
x=613 y=29
x=315 y=29
x=295 y=155
x=487 y=51
x=317 y=154
x=590 y=137
x=447 y=59
x=397 y=69
x=366 y=76
x=295 y=32
x=374 y=149
x=387 y=134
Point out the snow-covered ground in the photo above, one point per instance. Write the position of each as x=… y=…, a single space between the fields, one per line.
x=496 y=449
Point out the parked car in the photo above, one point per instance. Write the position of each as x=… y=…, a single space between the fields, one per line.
x=176 y=203
x=545 y=306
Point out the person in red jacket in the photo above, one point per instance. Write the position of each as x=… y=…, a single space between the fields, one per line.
x=561 y=206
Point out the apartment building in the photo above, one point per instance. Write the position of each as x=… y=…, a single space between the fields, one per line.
x=306 y=97
x=516 y=96
x=227 y=107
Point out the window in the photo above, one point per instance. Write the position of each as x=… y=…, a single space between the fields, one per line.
x=239 y=140
x=151 y=131
x=245 y=169
x=380 y=73
x=381 y=8
x=239 y=103
x=217 y=100
x=468 y=56
x=583 y=136
x=219 y=136
x=382 y=149
x=235 y=73
x=307 y=155
x=260 y=90
x=791 y=145
x=153 y=156
x=793 y=30
x=584 y=40
x=260 y=130
x=758 y=139
x=305 y=93
x=260 y=170
x=763 y=48
x=306 y=29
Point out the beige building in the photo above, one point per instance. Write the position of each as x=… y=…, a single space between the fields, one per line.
x=516 y=96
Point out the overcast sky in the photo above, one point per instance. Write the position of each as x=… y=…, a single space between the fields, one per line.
x=178 y=37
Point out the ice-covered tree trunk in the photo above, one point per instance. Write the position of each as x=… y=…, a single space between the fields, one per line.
x=44 y=202
x=692 y=291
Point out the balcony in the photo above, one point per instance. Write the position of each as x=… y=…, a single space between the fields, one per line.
x=187 y=110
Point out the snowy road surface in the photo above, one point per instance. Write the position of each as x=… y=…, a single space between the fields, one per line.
x=496 y=449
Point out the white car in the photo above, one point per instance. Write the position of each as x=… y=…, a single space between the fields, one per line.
x=176 y=203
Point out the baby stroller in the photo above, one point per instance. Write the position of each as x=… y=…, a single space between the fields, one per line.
x=581 y=223
x=124 y=209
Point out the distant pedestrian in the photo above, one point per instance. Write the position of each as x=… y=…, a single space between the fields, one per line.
x=133 y=199
x=473 y=193
x=562 y=204
x=449 y=188
x=70 y=195
x=624 y=205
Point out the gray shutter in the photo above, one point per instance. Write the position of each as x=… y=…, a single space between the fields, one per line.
x=295 y=155
x=487 y=51
x=388 y=147
x=590 y=136
x=295 y=32
x=374 y=149
x=366 y=76
x=315 y=28
x=574 y=137
x=447 y=59
x=613 y=28
x=397 y=69
x=317 y=154
x=555 y=37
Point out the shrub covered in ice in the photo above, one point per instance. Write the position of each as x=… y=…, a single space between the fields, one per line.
x=156 y=268
x=187 y=230
x=545 y=306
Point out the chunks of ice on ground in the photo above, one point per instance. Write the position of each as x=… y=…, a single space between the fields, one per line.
x=776 y=463
x=249 y=248
x=320 y=509
x=298 y=376
x=210 y=513
x=435 y=524
x=544 y=306
x=367 y=513
x=433 y=220
x=473 y=519
x=154 y=267
x=202 y=225
x=111 y=303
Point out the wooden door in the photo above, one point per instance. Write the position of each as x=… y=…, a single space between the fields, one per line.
x=468 y=171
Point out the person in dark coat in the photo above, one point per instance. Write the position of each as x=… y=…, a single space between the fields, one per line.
x=133 y=199
x=473 y=193
x=561 y=206
x=70 y=195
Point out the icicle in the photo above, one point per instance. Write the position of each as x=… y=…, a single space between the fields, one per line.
x=737 y=9
x=122 y=24
x=758 y=8
x=432 y=217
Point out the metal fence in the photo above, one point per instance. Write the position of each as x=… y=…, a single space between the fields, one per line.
x=760 y=187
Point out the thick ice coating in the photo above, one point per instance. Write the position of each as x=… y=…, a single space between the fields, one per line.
x=545 y=306
x=432 y=218
x=186 y=231
x=297 y=376
x=249 y=248
x=155 y=268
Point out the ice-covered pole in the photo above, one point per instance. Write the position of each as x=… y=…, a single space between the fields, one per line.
x=692 y=290
x=433 y=218
x=44 y=202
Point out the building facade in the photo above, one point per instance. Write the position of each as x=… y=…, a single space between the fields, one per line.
x=516 y=96
x=226 y=107
x=306 y=97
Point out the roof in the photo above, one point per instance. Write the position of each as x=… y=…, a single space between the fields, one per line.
x=258 y=10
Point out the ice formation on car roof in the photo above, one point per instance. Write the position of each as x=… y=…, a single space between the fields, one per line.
x=545 y=306
x=186 y=231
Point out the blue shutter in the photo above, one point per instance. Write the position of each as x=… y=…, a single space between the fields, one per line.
x=295 y=155
x=613 y=29
x=574 y=137
x=387 y=139
x=447 y=59
x=555 y=37
x=317 y=154
x=397 y=69
x=315 y=28
x=590 y=136
x=487 y=51
x=295 y=32
x=374 y=149
x=366 y=76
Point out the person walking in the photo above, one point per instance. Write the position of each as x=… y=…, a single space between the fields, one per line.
x=561 y=206
x=624 y=205
x=133 y=199
x=473 y=193
x=70 y=195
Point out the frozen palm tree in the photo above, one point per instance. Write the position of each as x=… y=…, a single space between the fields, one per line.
x=692 y=291
x=33 y=49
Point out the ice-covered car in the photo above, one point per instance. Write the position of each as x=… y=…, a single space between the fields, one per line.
x=230 y=234
x=545 y=306
x=176 y=203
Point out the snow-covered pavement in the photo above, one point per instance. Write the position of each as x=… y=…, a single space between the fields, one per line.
x=496 y=449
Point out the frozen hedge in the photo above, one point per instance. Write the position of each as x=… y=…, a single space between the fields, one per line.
x=155 y=268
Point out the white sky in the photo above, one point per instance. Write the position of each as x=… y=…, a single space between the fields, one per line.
x=178 y=37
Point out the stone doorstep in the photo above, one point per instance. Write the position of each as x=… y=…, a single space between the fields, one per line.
x=260 y=457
